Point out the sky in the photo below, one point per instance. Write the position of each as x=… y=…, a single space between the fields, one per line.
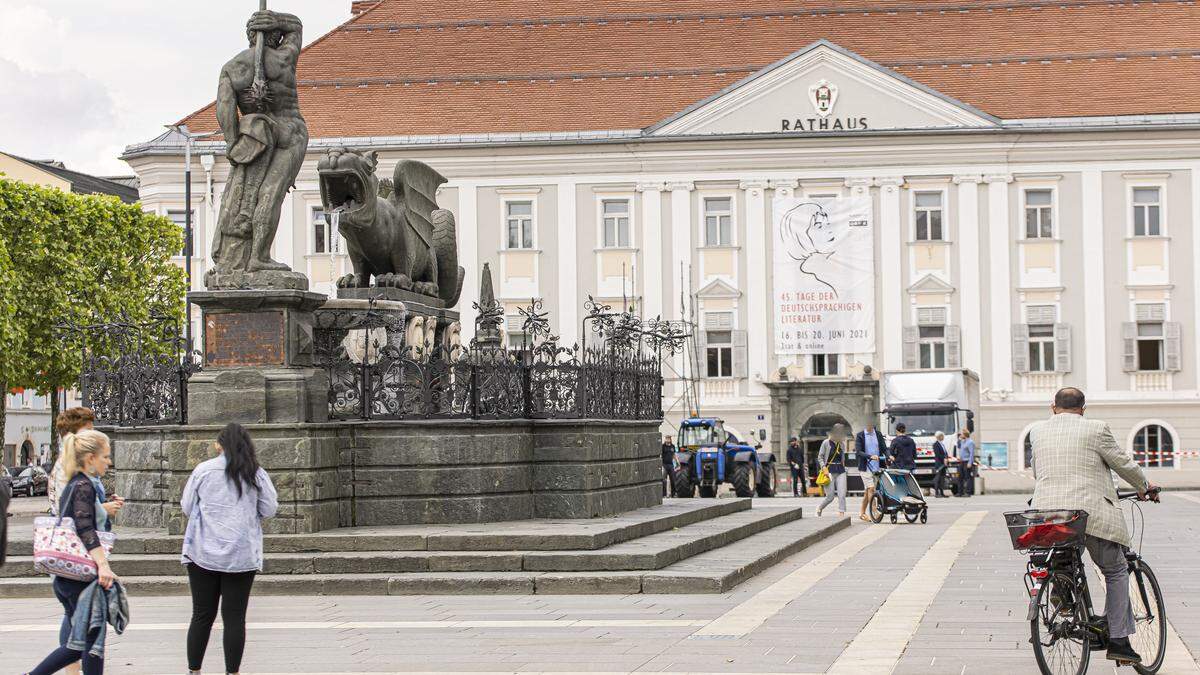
x=82 y=79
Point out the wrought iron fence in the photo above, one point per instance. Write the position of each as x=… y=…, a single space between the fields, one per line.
x=134 y=373
x=374 y=374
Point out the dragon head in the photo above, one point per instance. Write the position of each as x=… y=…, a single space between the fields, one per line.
x=349 y=185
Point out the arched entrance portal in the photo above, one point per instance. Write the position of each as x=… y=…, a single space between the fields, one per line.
x=27 y=456
x=815 y=430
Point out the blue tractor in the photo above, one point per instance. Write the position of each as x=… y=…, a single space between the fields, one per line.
x=709 y=455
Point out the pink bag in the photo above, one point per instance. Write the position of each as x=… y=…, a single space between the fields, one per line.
x=58 y=551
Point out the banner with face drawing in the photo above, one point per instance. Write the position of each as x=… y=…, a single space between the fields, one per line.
x=824 y=275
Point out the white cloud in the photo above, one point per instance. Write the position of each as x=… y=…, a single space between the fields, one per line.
x=83 y=79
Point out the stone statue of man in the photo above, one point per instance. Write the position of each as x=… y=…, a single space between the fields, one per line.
x=259 y=113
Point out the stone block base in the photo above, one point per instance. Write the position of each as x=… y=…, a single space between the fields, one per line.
x=397 y=473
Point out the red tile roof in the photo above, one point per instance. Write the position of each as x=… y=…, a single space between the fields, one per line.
x=476 y=66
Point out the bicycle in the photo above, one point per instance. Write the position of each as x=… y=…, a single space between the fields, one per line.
x=1064 y=628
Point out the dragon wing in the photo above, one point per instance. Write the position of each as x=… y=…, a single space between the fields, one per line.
x=416 y=185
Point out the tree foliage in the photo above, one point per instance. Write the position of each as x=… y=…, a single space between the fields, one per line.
x=82 y=259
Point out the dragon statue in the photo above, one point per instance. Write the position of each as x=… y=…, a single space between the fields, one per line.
x=394 y=230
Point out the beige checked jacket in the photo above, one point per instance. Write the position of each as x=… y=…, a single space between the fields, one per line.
x=1072 y=457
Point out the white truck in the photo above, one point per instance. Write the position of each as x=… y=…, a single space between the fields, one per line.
x=929 y=401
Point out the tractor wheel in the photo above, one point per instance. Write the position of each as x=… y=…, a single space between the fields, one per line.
x=743 y=479
x=684 y=485
x=770 y=480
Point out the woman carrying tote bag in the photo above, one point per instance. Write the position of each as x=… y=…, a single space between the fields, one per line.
x=225 y=500
x=86 y=457
x=833 y=458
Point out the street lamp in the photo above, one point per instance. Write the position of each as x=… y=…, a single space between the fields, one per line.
x=189 y=138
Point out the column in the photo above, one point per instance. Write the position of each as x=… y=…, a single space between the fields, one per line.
x=569 y=302
x=758 y=336
x=968 y=271
x=1000 y=280
x=681 y=245
x=468 y=255
x=681 y=268
x=651 y=241
x=892 y=300
x=1092 y=210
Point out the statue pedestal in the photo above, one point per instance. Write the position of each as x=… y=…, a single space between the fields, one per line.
x=258 y=365
x=216 y=280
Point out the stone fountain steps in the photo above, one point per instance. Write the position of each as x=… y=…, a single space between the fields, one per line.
x=646 y=553
x=528 y=535
x=714 y=571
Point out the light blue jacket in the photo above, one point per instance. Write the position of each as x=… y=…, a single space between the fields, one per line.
x=95 y=610
x=224 y=531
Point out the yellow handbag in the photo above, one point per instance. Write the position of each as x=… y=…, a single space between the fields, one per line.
x=823 y=477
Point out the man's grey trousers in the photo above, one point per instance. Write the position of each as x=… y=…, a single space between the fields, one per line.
x=1109 y=556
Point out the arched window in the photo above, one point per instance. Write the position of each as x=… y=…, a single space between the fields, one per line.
x=1153 y=446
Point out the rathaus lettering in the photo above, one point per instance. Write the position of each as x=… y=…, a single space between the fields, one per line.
x=824 y=124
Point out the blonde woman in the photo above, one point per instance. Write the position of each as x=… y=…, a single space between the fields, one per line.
x=833 y=458
x=86 y=456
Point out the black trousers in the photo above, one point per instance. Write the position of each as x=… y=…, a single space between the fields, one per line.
x=939 y=480
x=668 y=469
x=797 y=481
x=232 y=592
x=67 y=591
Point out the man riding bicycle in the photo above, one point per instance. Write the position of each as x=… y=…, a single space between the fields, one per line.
x=1072 y=458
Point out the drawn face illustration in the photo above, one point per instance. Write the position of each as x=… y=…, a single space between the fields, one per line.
x=809 y=236
x=820 y=232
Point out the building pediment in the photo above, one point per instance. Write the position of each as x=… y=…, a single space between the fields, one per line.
x=930 y=284
x=822 y=89
x=718 y=288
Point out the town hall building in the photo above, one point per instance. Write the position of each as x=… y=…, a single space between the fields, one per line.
x=1032 y=170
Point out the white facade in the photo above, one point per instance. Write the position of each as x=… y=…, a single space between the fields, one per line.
x=1038 y=253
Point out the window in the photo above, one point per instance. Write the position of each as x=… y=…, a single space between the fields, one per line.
x=518 y=219
x=1041 y=348
x=932 y=346
x=719 y=353
x=325 y=236
x=1039 y=222
x=1153 y=446
x=1147 y=211
x=824 y=365
x=718 y=221
x=928 y=213
x=180 y=218
x=1150 y=346
x=616 y=222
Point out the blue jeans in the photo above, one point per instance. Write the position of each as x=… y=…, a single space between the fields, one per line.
x=67 y=592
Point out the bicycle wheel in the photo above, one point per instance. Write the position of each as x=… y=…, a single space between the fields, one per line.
x=1149 y=619
x=876 y=508
x=1060 y=642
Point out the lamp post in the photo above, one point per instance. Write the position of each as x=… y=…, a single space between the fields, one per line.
x=189 y=138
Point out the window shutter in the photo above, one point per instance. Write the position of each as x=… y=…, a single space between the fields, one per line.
x=1172 y=333
x=1020 y=348
x=718 y=320
x=1062 y=347
x=1040 y=314
x=931 y=316
x=1151 y=312
x=911 y=335
x=953 y=348
x=1129 y=334
x=740 y=368
x=700 y=358
x=514 y=324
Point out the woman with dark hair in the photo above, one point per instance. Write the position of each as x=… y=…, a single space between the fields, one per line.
x=225 y=500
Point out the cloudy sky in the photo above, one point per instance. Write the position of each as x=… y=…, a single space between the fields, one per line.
x=82 y=79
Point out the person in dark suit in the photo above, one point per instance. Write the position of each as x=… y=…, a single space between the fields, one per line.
x=939 y=466
x=903 y=452
x=869 y=444
x=795 y=460
x=668 y=462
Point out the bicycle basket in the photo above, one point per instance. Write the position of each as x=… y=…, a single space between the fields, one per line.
x=1043 y=529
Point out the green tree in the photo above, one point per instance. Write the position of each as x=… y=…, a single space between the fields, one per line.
x=77 y=259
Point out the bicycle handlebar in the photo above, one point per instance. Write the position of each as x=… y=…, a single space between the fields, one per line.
x=1151 y=495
